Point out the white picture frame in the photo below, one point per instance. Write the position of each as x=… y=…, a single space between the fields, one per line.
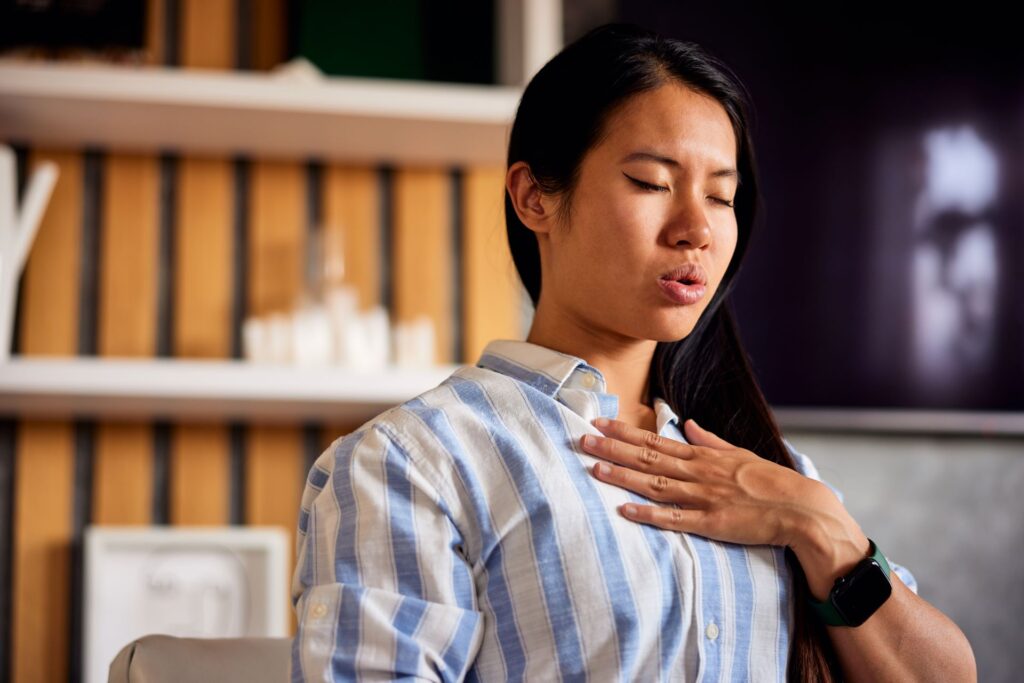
x=186 y=581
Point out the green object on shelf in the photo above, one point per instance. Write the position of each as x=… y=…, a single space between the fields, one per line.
x=407 y=39
x=362 y=38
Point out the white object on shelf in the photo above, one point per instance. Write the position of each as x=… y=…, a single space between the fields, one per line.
x=377 y=328
x=200 y=582
x=415 y=343
x=279 y=338
x=341 y=303
x=352 y=343
x=297 y=70
x=18 y=227
x=255 y=339
x=312 y=344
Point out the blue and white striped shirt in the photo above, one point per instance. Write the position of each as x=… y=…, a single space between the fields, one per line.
x=460 y=535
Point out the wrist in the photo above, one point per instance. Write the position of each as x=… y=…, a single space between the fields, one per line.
x=828 y=543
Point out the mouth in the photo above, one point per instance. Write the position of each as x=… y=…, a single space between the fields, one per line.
x=687 y=274
x=682 y=293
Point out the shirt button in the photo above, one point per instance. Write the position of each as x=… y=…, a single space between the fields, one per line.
x=319 y=610
x=589 y=380
x=712 y=631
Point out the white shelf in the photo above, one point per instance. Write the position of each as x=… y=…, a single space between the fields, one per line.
x=219 y=390
x=902 y=421
x=203 y=390
x=350 y=119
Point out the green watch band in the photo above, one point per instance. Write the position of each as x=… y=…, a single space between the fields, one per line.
x=826 y=609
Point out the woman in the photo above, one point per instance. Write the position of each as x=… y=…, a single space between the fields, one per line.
x=469 y=532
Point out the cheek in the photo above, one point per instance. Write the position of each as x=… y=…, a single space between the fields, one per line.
x=725 y=245
x=609 y=235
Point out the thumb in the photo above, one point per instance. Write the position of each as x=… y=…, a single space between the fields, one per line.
x=699 y=436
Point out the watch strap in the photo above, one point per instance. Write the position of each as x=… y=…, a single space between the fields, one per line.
x=826 y=609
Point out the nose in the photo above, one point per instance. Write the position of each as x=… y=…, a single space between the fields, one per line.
x=690 y=222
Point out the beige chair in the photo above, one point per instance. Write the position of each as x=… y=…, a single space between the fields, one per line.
x=159 y=658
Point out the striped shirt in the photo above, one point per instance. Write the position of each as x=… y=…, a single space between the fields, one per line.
x=460 y=536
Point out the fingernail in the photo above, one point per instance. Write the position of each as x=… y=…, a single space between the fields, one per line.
x=602 y=469
x=600 y=422
x=628 y=510
x=588 y=440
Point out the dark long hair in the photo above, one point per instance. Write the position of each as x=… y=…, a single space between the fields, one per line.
x=562 y=114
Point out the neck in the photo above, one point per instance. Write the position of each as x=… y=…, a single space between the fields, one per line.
x=625 y=363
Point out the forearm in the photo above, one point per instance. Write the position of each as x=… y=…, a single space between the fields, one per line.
x=906 y=639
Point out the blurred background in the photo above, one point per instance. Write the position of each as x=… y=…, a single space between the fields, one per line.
x=272 y=220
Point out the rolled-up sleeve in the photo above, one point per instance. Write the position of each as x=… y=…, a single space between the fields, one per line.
x=381 y=587
x=806 y=466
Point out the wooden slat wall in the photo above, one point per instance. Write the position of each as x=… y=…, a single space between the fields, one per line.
x=350 y=202
x=231 y=237
x=266 y=33
x=351 y=207
x=129 y=252
x=45 y=450
x=277 y=249
x=199 y=485
x=156 y=26
x=208 y=34
x=200 y=467
x=492 y=293
x=422 y=248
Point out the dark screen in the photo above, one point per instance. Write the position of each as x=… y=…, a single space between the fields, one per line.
x=887 y=270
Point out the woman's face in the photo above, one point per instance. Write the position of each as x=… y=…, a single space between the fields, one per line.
x=603 y=269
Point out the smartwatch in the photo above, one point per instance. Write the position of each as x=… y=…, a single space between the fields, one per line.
x=855 y=596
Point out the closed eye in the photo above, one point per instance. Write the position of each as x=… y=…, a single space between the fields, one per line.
x=660 y=188
x=648 y=186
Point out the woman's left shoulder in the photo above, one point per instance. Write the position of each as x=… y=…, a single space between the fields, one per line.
x=804 y=464
x=806 y=467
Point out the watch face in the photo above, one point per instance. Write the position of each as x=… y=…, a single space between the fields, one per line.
x=863 y=592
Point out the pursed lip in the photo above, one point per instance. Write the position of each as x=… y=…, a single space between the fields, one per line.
x=687 y=272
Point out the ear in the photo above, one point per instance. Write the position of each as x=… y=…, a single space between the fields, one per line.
x=532 y=206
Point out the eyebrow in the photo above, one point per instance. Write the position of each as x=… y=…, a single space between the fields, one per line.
x=727 y=172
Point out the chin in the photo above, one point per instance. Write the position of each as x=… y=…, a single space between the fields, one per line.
x=672 y=332
x=678 y=326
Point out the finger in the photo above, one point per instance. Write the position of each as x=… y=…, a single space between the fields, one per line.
x=644 y=458
x=654 y=486
x=638 y=436
x=670 y=518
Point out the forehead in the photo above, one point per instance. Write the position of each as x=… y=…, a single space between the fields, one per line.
x=677 y=121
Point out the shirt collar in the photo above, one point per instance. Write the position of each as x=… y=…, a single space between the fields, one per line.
x=566 y=378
